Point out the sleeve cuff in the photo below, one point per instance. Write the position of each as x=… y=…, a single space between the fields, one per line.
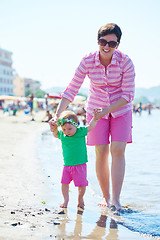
x=64 y=95
x=127 y=97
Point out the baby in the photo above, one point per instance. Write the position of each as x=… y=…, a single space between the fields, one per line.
x=74 y=153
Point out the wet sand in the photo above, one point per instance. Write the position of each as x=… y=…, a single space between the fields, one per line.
x=24 y=190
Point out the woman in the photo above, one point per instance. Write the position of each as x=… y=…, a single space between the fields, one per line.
x=111 y=75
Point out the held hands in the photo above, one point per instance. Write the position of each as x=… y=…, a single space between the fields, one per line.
x=96 y=115
x=53 y=125
x=99 y=113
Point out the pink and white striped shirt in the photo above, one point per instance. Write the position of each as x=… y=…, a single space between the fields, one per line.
x=107 y=86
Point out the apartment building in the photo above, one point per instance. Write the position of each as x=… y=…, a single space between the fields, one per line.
x=33 y=85
x=6 y=73
x=19 y=86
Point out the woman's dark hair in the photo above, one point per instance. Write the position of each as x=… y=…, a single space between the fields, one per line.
x=110 y=28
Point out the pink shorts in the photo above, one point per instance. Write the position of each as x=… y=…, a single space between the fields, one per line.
x=119 y=129
x=77 y=173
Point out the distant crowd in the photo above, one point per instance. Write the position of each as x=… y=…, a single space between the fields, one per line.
x=33 y=104
x=138 y=108
x=50 y=107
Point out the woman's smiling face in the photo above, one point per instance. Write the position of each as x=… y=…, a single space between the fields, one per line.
x=106 y=52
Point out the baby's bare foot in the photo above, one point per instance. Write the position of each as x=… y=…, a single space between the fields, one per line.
x=81 y=204
x=64 y=205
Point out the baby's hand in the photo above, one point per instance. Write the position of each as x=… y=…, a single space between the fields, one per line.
x=53 y=125
x=97 y=114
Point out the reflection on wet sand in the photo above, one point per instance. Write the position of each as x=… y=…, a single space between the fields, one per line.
x=78 y=225
x=99 y=232
x=64 y=234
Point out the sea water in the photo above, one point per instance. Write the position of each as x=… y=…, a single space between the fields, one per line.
x=141 y=188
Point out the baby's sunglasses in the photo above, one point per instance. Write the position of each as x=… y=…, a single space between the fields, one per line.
x=102 y=42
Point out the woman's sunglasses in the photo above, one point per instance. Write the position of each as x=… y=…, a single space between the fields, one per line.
x=102 y=42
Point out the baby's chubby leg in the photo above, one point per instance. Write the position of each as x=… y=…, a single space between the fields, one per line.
x=81 y=192
x=65 y=193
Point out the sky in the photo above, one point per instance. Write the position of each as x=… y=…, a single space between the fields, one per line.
x=48 y=38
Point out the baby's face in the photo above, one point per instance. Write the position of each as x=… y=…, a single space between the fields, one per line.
x=68 y=129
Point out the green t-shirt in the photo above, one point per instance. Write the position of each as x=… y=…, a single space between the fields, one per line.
x=74 y=147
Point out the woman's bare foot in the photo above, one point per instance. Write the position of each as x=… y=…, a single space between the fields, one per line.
x=117 y=205
x=104 y=203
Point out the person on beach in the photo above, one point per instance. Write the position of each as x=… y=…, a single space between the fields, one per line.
x=112 y=87
x=31 y=98
x=48 y=116
x=74 y=153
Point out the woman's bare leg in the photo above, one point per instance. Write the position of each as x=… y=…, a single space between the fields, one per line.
x=117 y=171
x=102 y=171
x=65 y=193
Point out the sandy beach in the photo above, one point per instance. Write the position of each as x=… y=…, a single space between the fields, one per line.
x=24 y=190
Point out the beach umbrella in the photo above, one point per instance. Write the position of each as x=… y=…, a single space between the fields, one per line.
x=54 y=95
x=79 y=100
x=9 y=98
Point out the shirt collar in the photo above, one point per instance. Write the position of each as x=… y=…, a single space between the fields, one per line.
x=114 y=58
x=97 y=61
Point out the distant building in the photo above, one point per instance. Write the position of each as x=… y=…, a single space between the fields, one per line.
x=32 y=85
x=19 y=89
x=6 y=73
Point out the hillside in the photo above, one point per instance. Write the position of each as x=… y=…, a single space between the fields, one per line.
x=153 y=92
x=83 y=91
x=149 y=94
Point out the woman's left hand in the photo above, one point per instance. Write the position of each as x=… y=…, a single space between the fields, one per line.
x=99 y=113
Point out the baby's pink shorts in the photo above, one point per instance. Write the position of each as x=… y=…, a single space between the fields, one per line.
x=119 y=129
x=77 y=173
